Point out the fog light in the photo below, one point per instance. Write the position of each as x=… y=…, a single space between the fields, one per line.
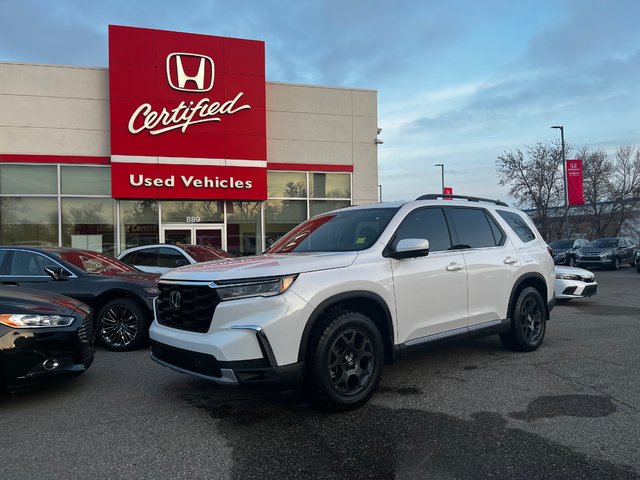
x=51 y=364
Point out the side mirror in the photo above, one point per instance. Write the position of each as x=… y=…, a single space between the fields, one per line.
x=411 y=248
x=57 y=273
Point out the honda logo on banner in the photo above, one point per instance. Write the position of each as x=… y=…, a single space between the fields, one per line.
x=575 y=194
x=200 y=80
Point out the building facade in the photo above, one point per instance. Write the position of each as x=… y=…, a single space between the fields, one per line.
x=180 y=140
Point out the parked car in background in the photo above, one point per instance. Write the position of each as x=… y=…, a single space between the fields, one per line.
x=608 y=252
x=572 y=282
x=162 y=257
x=43 y=337
x=564 y=251
x=638 y=261
x=121 y=296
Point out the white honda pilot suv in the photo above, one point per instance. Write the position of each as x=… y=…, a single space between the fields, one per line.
x=347 y=291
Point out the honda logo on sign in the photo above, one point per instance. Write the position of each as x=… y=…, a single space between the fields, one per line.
x=197 y=80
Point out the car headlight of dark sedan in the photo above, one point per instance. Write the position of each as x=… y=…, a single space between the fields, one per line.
x=28 y=320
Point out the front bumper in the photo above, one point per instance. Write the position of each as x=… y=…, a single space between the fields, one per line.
x=246 y=373
x=594 y=261
x=575 y=289
x=33 y=357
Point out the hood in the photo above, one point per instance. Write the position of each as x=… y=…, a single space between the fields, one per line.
x=142 y=278
x=581 y=272
x=269 y=265
x=592 y=250
x=27 y=300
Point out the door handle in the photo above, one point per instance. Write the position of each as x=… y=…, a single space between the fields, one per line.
x=452 y=267
x=510 y=260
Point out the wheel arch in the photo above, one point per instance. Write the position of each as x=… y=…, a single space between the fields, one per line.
x=367 y=303
x=114 y=294
x=534 y=280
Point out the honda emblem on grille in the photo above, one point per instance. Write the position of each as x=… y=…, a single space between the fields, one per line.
x=174 y=300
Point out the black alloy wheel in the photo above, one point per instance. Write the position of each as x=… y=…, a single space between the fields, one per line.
x=346 y=361
x=528 y=322
x=120 y=325
x=615 y=263
x=571 y=261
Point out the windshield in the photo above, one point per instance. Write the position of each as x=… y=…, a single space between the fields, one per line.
x=341 y=231
x=605 y=243
x=93 y=262
x=559 y=244
x=202 y=253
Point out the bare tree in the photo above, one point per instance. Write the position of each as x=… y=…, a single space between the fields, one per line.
x=596 y=171
x=625 y=186
x=535 y=182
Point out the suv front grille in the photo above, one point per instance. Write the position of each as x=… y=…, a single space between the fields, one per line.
x=193 y=309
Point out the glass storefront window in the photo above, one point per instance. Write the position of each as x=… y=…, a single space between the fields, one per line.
x=287 y=184
x=85 y=180
x=29 y=179
x=244 y=232
x=138 y=223
x=330 y=185
x=281 y=216
x=186 y=211
x=28 y=221
x=317 y=207
x=88 y=223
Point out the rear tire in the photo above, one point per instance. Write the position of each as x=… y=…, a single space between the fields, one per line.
x=528 y=322
x=345 y=362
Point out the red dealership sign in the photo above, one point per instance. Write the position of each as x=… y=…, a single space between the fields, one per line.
x=575 y=194
x=188 y=115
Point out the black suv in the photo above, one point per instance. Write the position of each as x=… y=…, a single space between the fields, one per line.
x=608 y=252
x=564 y=251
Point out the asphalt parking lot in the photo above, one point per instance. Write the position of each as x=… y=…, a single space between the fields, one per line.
x=466 y=411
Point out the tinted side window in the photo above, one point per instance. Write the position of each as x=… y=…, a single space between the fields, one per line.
x=146 y=257
x=518 y=225
x=429 y=223
x=473 y=228
x=28 y=264
x=3 y=255
x=129 y=258
x=169 y=258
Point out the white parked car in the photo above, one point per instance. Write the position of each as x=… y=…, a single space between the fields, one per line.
x=161 y=257
x=572 y=282
x=347 y=291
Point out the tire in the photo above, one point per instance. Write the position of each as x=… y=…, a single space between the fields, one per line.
x=615 y=263
x=345 y=362
x=528 y=322
x=571 y=262
x=121 y=325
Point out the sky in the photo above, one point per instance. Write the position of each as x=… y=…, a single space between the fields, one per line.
x=459 y=82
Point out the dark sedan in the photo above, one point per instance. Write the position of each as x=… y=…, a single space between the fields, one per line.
x=121 y=296
x=43 y=337
x=607 y=252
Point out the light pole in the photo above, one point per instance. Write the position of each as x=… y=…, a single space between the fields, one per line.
x=380 y=193
x=564 y=182
x=441 y=165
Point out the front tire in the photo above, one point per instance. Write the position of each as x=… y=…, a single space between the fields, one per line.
x=121 y=325
x=346 y=361
x=528 y=322
x=571 y=262
x=615 y=263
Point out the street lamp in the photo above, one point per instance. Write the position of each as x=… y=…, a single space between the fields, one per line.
x=380 y=193
x=564 y=182
x=441 y=165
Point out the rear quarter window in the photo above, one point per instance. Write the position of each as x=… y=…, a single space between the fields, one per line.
x=518 y=224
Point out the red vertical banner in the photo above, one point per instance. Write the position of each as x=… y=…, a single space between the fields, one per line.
x=575 y=195
x=447 y=191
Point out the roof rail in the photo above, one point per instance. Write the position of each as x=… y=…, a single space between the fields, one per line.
x=450 y=196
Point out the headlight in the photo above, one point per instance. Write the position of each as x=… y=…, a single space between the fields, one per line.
x=255 y=287
x=566 y=276
x=606 y=254
x=15 y=320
